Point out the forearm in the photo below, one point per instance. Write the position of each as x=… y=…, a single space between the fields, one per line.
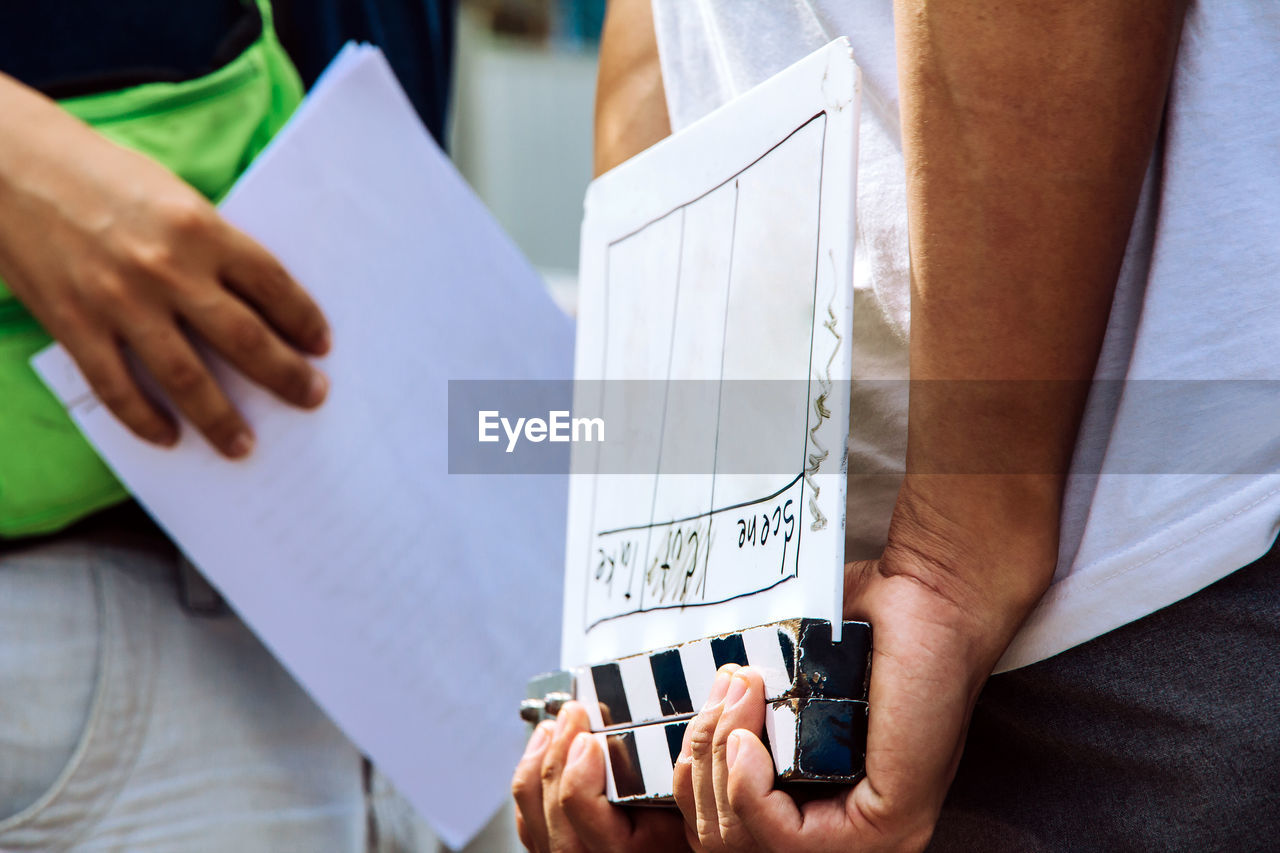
x=1027 y=128
x=32 y=123
x=631 y=106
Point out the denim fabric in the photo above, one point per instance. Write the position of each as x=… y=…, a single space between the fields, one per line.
x=1161 y=735
x=130 y=724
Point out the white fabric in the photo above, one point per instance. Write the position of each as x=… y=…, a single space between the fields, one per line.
x=1189 y=488
x=127 y=724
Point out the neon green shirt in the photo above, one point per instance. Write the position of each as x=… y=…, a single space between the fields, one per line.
x=206 y=131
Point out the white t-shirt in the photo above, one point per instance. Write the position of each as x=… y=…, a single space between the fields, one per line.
x=1176 y=477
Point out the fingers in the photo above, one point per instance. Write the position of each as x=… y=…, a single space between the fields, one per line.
x=561 y=803
x=571 y=721
x=743 y=710
x=771 y=817
x=240 y=334
x=693 y=782
x=104 y=368
x=252 y=272
x=599 y=824
x=186 y=379
x=526 y=789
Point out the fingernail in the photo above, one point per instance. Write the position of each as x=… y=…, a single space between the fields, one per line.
x=718 y=689
x=562 y=722
x=731 y=748
x=539 y=740
x=737 y=689
x=320 y=343
x=317 y=388
x=241 y=445
x=578 y=748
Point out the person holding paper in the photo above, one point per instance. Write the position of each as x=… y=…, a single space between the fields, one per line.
x=1079 y=181
x=128 y=722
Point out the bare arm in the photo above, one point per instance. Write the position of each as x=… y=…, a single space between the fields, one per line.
x=631 y=106
x=1027 y=129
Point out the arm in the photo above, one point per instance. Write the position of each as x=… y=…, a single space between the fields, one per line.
x=107 y=249
x=1027 y=129
x=631 y=106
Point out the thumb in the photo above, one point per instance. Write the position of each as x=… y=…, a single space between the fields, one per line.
x=582 y=796
x=770 y=815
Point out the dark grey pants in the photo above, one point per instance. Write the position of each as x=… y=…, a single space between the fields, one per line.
x=1161 y=735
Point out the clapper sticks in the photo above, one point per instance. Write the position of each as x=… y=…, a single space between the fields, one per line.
x=639 y=706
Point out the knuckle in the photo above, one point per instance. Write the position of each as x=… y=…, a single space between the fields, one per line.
x=186 y=215
x=273 y=279
x=708 y=831
x=549 y=773
x=153 y=259
x=702 y=738
x=116 y=397
x=106 y=292
x=246 y=336
x=63 y=317
x=731 y=831
x=183 y=376
x=523 y=787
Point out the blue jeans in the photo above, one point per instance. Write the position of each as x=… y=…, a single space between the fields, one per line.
x=128 y=723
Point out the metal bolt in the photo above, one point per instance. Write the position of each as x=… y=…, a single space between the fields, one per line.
x=555 y=701
x=531 y=710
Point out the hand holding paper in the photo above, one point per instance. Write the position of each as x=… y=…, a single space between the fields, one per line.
x=166 y=264
x=412 y=604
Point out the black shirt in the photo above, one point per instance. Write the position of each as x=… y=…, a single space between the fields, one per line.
x=76 y=47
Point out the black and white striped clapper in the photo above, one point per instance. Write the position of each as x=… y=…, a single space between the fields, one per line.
x=816 y=691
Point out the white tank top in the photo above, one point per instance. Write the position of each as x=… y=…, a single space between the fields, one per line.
x=1176 y=477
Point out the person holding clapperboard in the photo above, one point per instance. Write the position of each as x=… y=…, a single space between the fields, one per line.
x=1092 y=194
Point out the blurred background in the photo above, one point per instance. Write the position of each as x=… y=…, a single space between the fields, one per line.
x=519 y=121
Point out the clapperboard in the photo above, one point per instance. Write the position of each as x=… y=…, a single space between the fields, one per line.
x=715 y=312
x=815 y=720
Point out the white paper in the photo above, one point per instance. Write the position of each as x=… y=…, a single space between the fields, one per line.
x=722 y=254
x=412 y=604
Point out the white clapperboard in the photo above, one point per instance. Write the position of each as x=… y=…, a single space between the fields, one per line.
x=713 y=345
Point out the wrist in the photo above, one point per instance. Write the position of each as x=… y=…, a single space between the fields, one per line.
x=988 y=543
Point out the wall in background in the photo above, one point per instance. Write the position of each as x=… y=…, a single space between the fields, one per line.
x=521 y=126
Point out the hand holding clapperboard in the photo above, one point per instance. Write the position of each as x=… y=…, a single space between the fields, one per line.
x=714 y=322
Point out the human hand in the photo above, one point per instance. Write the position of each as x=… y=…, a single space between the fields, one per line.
x=561 y=807
x=935 y=643
x=109 y=250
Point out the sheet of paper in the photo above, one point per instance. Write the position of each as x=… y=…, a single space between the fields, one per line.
x=414 y=605
x=714 y=318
